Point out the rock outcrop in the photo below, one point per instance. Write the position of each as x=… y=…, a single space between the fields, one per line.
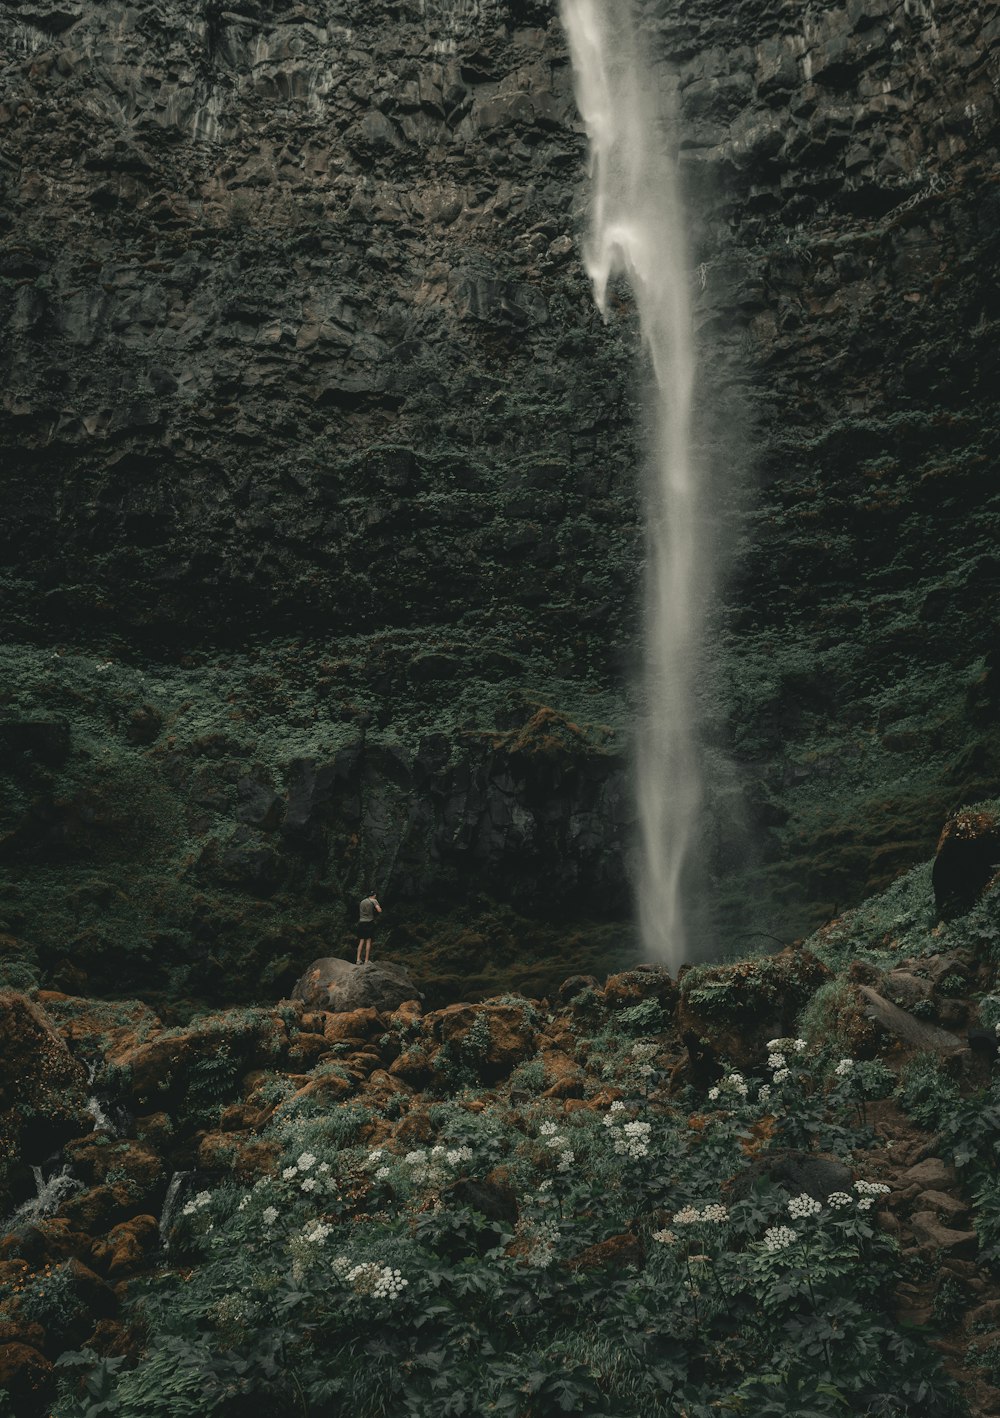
x=342 y=987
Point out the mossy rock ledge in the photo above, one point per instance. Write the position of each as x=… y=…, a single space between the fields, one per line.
x=736 y=1008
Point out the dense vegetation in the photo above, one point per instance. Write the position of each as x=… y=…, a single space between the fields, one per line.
x=628 y=1203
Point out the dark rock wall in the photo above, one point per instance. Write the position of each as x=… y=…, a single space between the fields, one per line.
x=842 y=166
x=314 y=451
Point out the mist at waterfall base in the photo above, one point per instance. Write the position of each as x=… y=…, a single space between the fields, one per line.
x=637 y=232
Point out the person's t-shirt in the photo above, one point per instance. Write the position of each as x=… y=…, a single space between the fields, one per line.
x=366 y=911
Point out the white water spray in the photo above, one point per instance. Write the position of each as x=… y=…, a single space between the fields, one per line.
x=637 y=230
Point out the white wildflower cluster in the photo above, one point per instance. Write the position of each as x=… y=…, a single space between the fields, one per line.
x=786 y=1046
x=781 y=1075
x=379 y=1281
x=776 y=1061
x=732 y=1083
x=560 y=1144
x=776 y=1238
x=309 y=1177
x=389 y=1284
x=665 y=1238
x=234 y=1311
x=425 y=1169
x=838 y=1200
x=689 y=1216
x=714 y=1214
x=845 y=1067
x=764 y=1092
x=197 y=1203
x=643 y=1054
x=427 y=1166
x=269 y=1215
x=541 y=1238
x=316 y=1232
x=868 y=1191
x=631 y=1139
x=803 y=1205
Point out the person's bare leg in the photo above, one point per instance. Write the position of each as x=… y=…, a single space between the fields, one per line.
x=360 y=947
x=368 y=950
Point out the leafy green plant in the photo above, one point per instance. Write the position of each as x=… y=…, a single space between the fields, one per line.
x=529 y=1076
x=52 y=1299
x=926 y=1093
x=646 y=1017
x=950 y=1301
x=609 y=1277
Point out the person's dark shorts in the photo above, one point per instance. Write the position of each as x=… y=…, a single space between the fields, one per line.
x=367 y=930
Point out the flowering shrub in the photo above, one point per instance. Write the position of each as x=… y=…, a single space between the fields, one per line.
x=358 y=1279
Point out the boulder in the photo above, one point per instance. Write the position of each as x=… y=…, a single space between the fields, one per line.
x=355 y=1024
x=818 y=1174
x=948 y=1207
x=94 y=1027
x=42 y=1089
x=901 y=1025
x=25 y=1376
x=730 y=1011
x=905 y=989
x=490 y=1039
x=615 y=1253
x=577 y=985
x=135 y=1163
x=932 y=1174
x=165 y=1063
x=646 y=982
x=564 y=1078
x=929 y=1230
x=307 y=1050
x=340 y=986
x=968 y=853
x=128 y=1246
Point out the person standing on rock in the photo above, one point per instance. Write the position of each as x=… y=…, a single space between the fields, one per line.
x=368 y=913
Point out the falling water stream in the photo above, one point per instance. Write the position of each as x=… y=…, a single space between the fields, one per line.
x=637 y=231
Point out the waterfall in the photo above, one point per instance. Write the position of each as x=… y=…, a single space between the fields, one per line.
x=637 y=231
x=50 y=1193
x=171 y=1205
x=109 y=1116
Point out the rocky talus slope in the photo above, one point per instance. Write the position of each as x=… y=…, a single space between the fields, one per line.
x=321 y=476
x=133 y=1124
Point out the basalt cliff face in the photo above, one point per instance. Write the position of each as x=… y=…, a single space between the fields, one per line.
x=322 y=532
